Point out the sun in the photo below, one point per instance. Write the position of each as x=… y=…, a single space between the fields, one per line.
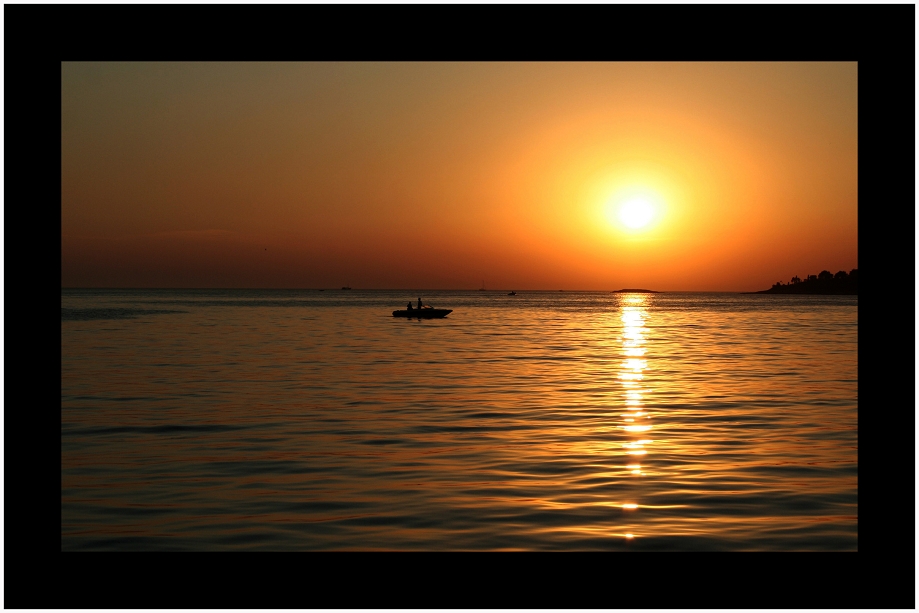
x=634 y=210
x=636 y=213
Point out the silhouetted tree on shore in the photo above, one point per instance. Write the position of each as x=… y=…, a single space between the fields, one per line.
x=823 y=283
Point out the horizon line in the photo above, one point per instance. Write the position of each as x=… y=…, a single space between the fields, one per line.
x=338 y=289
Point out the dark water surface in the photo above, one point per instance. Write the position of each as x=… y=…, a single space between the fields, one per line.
x=244 y=419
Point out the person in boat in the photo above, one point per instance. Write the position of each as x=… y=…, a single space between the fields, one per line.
x=409 y=306
x=419 y=302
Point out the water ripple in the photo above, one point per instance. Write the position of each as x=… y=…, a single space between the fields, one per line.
x=543 y=421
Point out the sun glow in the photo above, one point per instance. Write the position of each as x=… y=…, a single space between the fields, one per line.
x=636 y=213
x=634 y=209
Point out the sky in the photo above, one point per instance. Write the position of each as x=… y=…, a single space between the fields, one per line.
x=524 y=176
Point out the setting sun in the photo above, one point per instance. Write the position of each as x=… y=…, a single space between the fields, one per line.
x=634 y=209
x=636 y=213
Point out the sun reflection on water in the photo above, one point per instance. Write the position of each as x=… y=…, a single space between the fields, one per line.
x=633 y=315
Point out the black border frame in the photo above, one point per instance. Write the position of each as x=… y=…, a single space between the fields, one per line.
x=881 y=38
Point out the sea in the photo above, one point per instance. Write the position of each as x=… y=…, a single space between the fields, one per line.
x=549 y=420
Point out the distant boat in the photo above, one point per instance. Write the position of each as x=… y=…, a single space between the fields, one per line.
x=634 y=291
x=482 y=289
x=346 y=288
x=512 y=293
x=423 y=313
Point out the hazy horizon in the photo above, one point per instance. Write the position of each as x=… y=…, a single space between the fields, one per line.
x=416 y=289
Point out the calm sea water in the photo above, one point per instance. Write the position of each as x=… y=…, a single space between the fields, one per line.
x=308 y=420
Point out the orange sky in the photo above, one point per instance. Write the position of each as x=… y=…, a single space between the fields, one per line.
x=445 y=175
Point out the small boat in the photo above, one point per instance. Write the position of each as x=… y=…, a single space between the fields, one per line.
x=482 y=289
x=423 y=313
x=512 y=293
x=346 y=288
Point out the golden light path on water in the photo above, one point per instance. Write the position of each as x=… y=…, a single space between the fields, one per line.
x=637 y=421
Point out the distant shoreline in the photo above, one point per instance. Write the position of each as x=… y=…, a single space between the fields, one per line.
x=634 y=291
x=825 y=284
x=803 y=292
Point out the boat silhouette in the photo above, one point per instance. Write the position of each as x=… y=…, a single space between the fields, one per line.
x=512 y=293
x=423 y=313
